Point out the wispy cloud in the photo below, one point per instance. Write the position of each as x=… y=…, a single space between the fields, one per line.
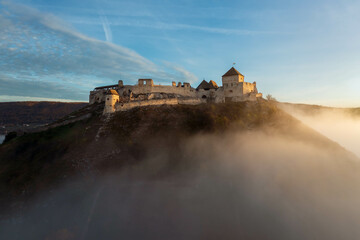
x=106 y=27
x=191 y=78
x=38 y=48
x=145 y=23
x=31 y=88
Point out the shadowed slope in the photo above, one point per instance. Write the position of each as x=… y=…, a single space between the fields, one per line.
x=168 y=169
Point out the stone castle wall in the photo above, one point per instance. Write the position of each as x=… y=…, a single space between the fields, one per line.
x=212 y=95
x=110 y=103
x=153 y=102
x=232 y=79
x=237 y=90
x=97 y=96
x=122 y=97
x=248 y=87
x=233 y=90
x=136 y=89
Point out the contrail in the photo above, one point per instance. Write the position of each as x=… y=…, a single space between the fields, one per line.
x=106 y=27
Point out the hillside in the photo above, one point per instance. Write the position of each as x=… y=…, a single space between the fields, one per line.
x=96 y=141
x=309 y=109
x=339 y=124
x=15 y=114
x=153 y=167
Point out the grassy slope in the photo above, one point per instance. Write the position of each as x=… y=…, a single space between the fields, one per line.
x=38 y=161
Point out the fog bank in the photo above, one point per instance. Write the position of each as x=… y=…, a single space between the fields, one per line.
x=337 y=124
x=238 y=186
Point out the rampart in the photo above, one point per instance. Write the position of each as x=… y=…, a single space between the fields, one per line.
x=156 y=102
x=180 y=90
x=122 y=97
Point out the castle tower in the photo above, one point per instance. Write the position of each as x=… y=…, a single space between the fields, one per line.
x=232 y=76
x=111 y=98
x=233 y=82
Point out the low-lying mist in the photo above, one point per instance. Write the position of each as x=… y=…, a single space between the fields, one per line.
x=234 y=186
x=340 y=125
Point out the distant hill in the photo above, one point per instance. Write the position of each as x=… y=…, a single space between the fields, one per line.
x=14 y=114
x=310 y=109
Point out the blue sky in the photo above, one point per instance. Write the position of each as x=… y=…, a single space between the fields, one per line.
x=298 y=51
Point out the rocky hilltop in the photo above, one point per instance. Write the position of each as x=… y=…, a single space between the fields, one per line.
x=156 y=172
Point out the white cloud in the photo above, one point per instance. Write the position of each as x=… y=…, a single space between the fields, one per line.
x=106 y=27
x=33 y=88
x=37 y=47
x=146 y=23
x=191 y=78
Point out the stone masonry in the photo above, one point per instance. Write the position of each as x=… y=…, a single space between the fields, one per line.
x=122 y=97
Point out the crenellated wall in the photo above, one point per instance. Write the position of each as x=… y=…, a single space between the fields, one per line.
x=182 y=90
x=122 y=97
x=97 y=96
x=249 y=87
x=236 y=89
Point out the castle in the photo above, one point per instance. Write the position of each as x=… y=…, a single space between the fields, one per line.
x=122 y=97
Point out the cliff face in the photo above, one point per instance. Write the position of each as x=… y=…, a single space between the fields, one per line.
x=156 y=172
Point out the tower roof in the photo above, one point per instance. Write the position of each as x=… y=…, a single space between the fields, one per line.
x=213 y=84
x=232 y=72
x=205 y=85
x=112 y=92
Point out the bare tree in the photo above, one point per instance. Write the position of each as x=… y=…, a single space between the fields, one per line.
x=269 y=97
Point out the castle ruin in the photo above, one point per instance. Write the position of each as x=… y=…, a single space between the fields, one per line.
x=122 y=97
